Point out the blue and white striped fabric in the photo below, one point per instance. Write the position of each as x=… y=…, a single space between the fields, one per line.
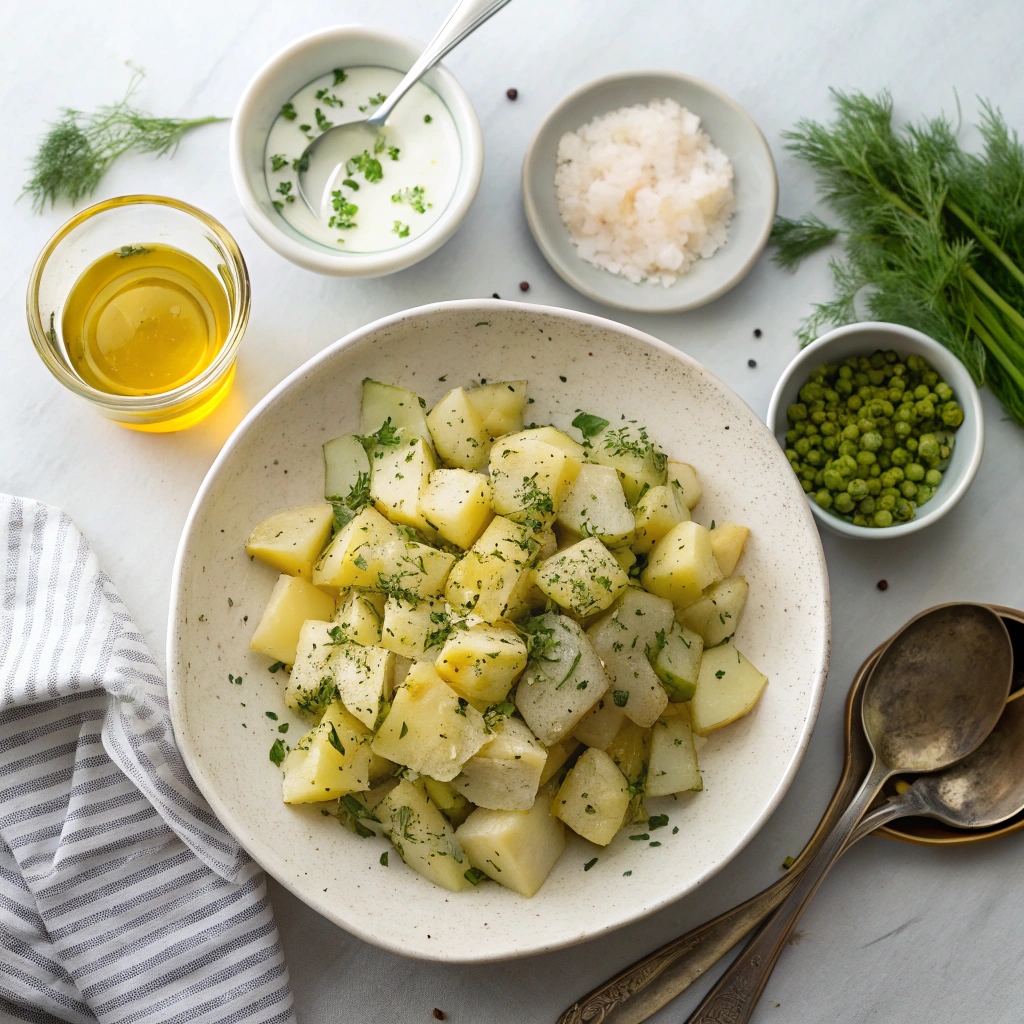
x=122 y=898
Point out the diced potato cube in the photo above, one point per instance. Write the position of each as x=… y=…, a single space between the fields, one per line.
x=558 y=754
x=292 y=601
x=363 y=677
x=422 y=836
x=398 y=474
x=595 y=506
x=499 y=405
x=504 y=774
x=554 y=437
x=291 y=541
x=346 y=469
x=727 y=540
x=656 y=513
x=673 y=766
x=360 y=616
x=410 y=627
x=452 y=804
x=355 y=556
x=528 y=479
x=484 y=580
x=599 y=727
x=727 y=689
x=414 y=571
x=681 y=565
x=625 y=558
x=457 y=503
x=563 y=680
x=584 y=578
x=594 y=797
x=383 y=402
x=625 y=640
x=716 y=615
x=630 y=750
x=678 y=663
x=329 y=761
x=517 y=849
x=430 y=727
x=482 y=663
x=458 y=432
x=683 y=477
x=311 y=686
x=628 y=450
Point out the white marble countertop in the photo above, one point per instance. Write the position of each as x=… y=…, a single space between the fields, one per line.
x=898 y=933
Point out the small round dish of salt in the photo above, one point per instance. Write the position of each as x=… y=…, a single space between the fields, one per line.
x=650 y=191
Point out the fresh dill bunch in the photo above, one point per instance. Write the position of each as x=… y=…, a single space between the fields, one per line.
x=79 y=148
x=933 y=236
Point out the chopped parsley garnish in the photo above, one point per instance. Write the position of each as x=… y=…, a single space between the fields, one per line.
x=642 y=837
x=277 y=161
x=276 y=667
x=400 y=229
x=384 y=859
x=590 y=863
x=272 y=715
x=393 y=152
x=461 y=709
x=414 y=196
x=335 y=740
x=405 y=729
x=720 y=673
x=339 y=76
x=474 y=876
x=427 y=119
x=621 y=697
x=657 y=821
x=277 y=752
x=321 y=122
x=788 y=863
x=288 y=111
x=344 y=211
x=368 y=166
x=132 y=250
x=588 y=424
x=388 y=436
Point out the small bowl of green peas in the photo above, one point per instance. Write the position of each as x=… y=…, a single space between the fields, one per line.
x=882 y=426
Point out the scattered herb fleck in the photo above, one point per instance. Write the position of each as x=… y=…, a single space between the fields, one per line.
x=590 y=863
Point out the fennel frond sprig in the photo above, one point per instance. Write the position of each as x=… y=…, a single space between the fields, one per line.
x=933 y=236
x=79 y=148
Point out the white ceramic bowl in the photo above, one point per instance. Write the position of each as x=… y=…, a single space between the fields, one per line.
x=731 y=129
x=863 y=339
x=273 y=459
x=278 y=80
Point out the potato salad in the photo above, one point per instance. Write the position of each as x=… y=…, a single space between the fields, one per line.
x=496 y=632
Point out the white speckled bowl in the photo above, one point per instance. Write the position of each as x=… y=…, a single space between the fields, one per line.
x=273 y=460
x=863 y=339
x=731 y=129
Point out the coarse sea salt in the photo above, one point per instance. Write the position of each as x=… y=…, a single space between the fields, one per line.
x=643 y=191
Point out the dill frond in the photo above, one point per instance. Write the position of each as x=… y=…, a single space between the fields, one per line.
x=79 y=148
x=795 y=239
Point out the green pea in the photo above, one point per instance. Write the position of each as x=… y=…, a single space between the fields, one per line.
x=900 y=456
x=921 y=391
x=823 y=499
x=851 y=432
x=904 y=511
x=933 y=478
x=833 y=479
x=857 y=488
x=902 y=429
x=803 y=446
x=887 y=502
x=807 y=485
x=915 y=472
x=796 y=412
x=830 y=443
x=944 y=391
x=871 y=441
x=848 y=448
x=843 y=503
x=812 y=391
x=891 y=477
x=866 y=458
x=910 y=444
x=952 y=414
x=928 y=446
x=816 y=457
x=874 y=485
x=929 y=376
x=866 y=506
x=908 y=489
x=883 y=517
x=854 y=403
x=924 y=494
x=925 y=409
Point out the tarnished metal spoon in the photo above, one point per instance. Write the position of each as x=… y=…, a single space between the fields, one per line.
x=322 y=164
x=935 y=694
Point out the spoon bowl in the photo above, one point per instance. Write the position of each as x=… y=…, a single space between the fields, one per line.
x=921 y=708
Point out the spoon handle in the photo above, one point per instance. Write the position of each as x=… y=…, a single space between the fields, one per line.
x=466 y=17
x=734 y=997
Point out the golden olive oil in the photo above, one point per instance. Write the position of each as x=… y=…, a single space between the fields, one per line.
x=144 y=320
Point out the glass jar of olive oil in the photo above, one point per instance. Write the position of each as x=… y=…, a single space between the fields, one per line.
x=138 y=304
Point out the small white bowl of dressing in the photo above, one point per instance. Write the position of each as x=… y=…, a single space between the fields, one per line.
x=402 y=200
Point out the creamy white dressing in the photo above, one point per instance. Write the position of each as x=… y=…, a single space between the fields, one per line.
x=417 y=158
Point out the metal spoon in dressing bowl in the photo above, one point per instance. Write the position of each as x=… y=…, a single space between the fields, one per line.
x=935 y=694
x=322 y=164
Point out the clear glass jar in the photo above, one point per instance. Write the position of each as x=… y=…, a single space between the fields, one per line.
x=105 y=228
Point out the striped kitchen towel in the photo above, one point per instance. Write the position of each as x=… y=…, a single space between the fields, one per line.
x=122 y=898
